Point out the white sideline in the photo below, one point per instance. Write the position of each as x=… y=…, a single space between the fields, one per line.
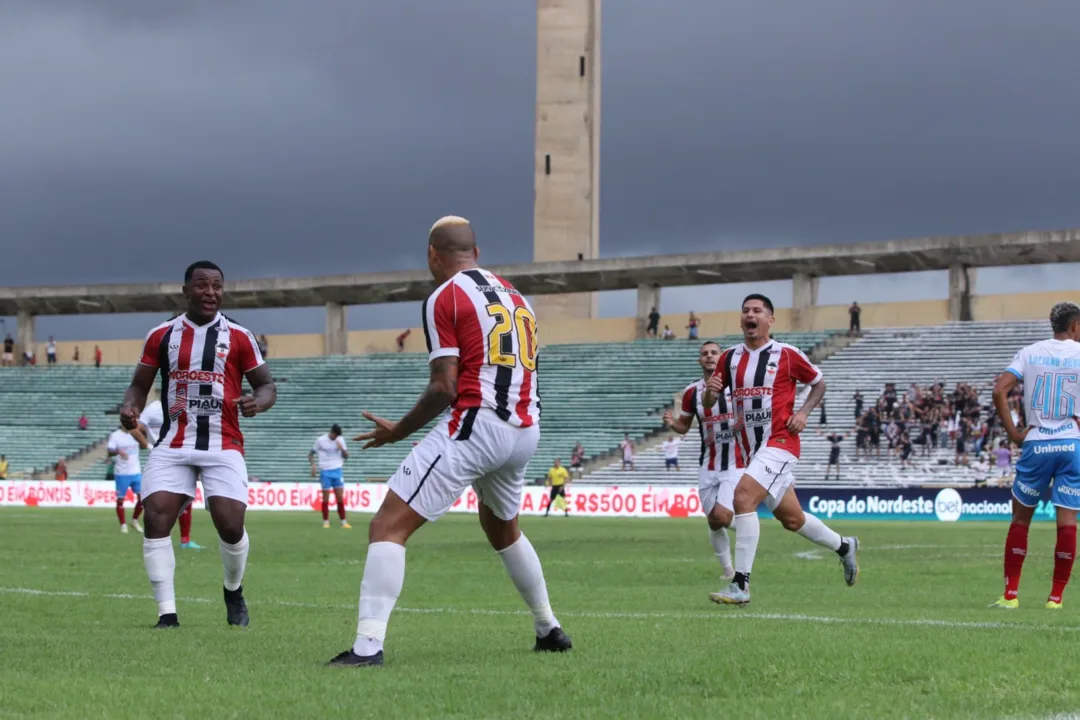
x=720 y=614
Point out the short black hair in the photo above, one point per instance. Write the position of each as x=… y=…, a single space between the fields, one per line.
x=1063 y=315
x=200 y=265
x=708 y=342
x=764 y=301
x=335 y=428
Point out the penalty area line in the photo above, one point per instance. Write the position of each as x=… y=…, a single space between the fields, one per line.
x=729 y=614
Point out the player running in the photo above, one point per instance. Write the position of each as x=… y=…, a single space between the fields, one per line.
x=124 y=445
x=1049 y=464
x=330 y=452
x=150 y=421
x=763 y=376
x=482 y=345
x=203 y=358
x=717 y=463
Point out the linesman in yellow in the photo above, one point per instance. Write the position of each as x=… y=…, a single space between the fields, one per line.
x=557 y=478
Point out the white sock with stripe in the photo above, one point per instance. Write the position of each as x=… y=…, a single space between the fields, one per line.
x=523 y=566
x=721 y=544
x=747 y=532
x=384 y=575
x=818 y=532
x=160 y=568
x=234 y=559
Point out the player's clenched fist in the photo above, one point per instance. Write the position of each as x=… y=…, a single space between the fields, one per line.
x=129 y=418
x=715 y=385
x=247 y=405
x=668 y=418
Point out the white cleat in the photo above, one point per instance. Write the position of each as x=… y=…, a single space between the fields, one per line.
x=850 y=560
x=135 y=524
x=123 y=529
x=732 y=595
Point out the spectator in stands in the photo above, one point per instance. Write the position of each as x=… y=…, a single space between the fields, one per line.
x=264 y=346
x=50 y=351
x=692 y=326
x=855 y=326
x=669 y=334
x=824 y=419
x=858 y=399
x=402 y=338
x=75 y=355
x=671 y=453
x=834 y=454
x=97 y=356
x=61 y=470
x=1003 y=459
x=84 y=422
x=8 y=358
x=627 y=446
x=654 y=323
x=3 y=467
x=872 y=423
x=577 y=460
x=906 y=450
x=862 y=439
x=29 y=358
x=963 y=437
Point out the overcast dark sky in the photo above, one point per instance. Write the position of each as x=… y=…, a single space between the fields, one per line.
x=280 y=137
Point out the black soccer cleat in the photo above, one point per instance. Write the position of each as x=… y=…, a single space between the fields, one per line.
x=351 y=659
x=554 y=641
x=235 y=607
x=167 y=621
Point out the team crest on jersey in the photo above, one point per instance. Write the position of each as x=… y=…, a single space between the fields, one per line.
x=771 y=368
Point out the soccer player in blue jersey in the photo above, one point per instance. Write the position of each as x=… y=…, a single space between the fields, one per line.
x=327 y=458
x=1049 y=465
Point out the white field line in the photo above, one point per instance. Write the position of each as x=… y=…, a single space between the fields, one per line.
x=720 y=614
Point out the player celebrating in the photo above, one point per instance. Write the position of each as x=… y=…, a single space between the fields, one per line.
x=151 y=420
x=1050 y=371
x=203 y=358
x=719 y=458
x=763 y=375
x=332 y=453
x=124 y=445
x=482 y=344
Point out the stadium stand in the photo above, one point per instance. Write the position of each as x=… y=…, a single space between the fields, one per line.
x=40 y=409
x=971 y=352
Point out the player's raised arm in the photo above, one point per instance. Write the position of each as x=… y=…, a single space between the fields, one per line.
x=439 y=394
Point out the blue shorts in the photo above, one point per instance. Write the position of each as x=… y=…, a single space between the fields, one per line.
x=123 y=482
x=331 y=479
x=1049 y=470
x=671 y=462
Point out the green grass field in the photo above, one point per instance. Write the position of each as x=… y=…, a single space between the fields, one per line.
x=912 y=639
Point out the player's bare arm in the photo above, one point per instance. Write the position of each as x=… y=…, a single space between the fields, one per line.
x=440 y=393
x=713 y=388
x=680 y=425
x=264 y=392
x=140 y=437
x=135 y=396
x=797 y=422
x=1004 y=385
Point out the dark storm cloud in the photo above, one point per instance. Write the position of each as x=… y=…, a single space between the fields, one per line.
x=280 y=137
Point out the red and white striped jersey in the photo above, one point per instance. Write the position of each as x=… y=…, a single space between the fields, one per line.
x=763 y=384
x=716 y=425
x=202 y=372
x=485 y=322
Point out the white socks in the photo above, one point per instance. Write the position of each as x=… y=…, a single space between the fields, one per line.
x=721 y=546
x=818 y=532
x=160 y=568
x=384 y=574
x=747 y=532
x=524 y=569
x=234 y=558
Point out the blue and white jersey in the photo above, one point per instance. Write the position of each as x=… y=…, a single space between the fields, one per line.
x=1050 y=371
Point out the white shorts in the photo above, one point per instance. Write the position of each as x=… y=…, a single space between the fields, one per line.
x=8 y=357
x=717 y=487
x=772 y=469
x=223 y=473
x=493 y=460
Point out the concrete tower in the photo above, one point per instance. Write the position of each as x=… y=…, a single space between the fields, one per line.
x=566 y=221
